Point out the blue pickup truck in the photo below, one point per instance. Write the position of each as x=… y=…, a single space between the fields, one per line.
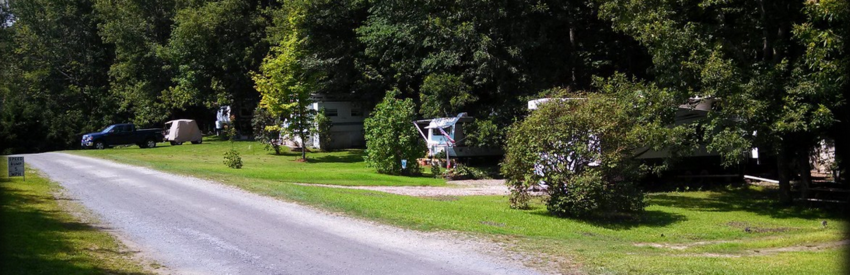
x=122 y=134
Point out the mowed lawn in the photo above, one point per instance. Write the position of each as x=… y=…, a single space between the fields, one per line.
x=681 y=233
x=206 y=160
x=39 y=235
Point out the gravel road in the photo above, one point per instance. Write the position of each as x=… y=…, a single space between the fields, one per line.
x=194 y=226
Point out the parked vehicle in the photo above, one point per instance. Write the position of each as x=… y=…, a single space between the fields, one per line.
x=122 y=134
x=182 y=130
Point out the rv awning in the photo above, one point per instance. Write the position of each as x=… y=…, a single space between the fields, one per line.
x=442 y=122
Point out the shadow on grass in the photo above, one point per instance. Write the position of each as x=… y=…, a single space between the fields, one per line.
x=351 y=156
x=32 y=240
x=652 y=218
x=761 y=202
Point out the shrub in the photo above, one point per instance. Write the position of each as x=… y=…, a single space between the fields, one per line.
x=484 y=133
x=582 y=151
x=267 y=129
x=435 y=170
x=466 y=172
x=323 y=129
x=391 y=136
x=232 y=159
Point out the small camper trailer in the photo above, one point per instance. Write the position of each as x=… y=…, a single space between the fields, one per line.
x=182 y=130
x=447 y=134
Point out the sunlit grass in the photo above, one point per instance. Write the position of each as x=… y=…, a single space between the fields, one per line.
x=205 y=160
x=680 y=233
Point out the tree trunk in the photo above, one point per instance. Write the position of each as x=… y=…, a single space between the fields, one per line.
x=767 y=50
x=573 y=58
x=782 y=169
x=301 y=124
x=805 y=170
x=842 y=150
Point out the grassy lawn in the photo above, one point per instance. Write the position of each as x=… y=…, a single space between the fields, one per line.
x=205 y=160
x=39 y=236
x=681 y=233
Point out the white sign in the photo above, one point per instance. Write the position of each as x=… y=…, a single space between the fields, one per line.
x=16 y=166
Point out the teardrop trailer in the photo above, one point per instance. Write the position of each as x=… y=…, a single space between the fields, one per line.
x=179 y=131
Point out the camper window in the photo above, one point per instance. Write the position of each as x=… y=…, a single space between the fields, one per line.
x=331 y=112
x=437 y=132
x=355 y=111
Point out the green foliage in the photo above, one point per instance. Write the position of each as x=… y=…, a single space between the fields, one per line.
x=777 y=67
x=583 y=149
x=53 y=77
x=232 y=159
x=391 y=136
x=323 y=129
x=435 y=170
x=138 y=29
x=497 y=51
x=285 y=85
x=444 y=95
x=212 y=47
x=267 y=129
x=484 y=133
x=462 y=171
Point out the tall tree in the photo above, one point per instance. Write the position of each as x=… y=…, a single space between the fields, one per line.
x=824 y=72
x=58 y=84
x=745 y=54
x=283 y=81
x=213 y=47
x=330 y=44
x=502 y=50
x=138 y=29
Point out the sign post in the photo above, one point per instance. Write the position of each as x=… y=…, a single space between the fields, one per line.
x=16 y=167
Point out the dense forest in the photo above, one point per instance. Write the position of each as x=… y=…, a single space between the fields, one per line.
x=72 y=66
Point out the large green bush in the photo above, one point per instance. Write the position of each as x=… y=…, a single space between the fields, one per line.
x=583 y=150
x=323 y=129
x=267 y=129
x=392 y=137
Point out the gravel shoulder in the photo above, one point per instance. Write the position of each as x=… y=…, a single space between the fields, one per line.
x=195 y=226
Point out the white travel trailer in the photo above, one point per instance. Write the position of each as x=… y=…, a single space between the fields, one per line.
x=447 y=134
x=347 y=117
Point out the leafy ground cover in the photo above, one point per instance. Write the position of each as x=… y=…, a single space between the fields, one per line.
x=39 y=236
x=733 y=231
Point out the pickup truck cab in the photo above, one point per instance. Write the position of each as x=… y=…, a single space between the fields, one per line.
x=122 y=134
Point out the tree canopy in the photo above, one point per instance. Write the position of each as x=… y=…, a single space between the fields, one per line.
x=777 y=68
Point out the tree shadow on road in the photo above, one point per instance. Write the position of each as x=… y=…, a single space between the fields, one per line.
x=36 y=240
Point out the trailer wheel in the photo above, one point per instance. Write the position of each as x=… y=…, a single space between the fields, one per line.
x=198 y=141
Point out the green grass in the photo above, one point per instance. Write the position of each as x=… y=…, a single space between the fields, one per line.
x=39 y=236
x=205 y=160
x=709 y=226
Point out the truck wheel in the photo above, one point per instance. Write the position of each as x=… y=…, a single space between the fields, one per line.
x=150 y=143
x=198 y=142
x=99 y=145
